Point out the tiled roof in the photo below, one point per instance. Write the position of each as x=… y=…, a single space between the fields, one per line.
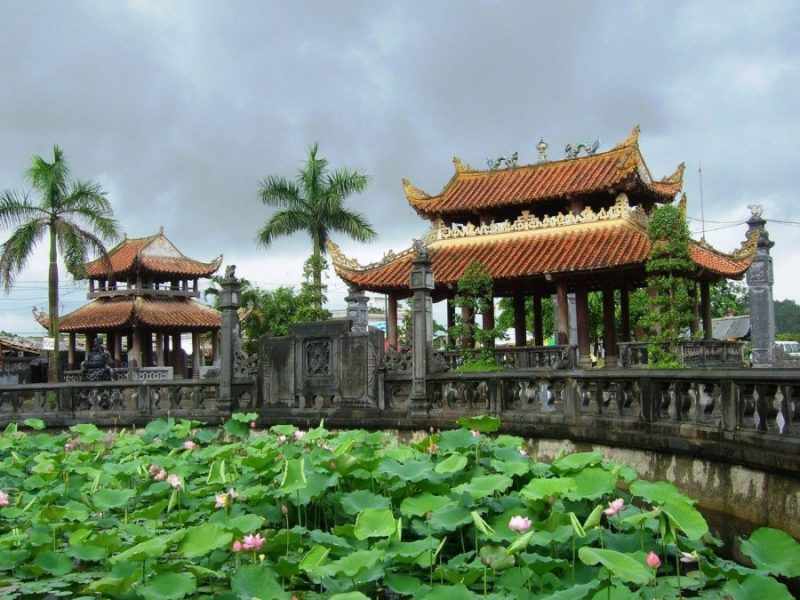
x=576 y=249
x=157 y=313
x=471 y=190
x=124 y=258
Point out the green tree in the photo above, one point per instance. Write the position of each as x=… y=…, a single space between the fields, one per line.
x=474 y=292
x=787 y=319
x=314 y=203
x=728 y=295
x=505 y=318
x=74 y=216
x=668 y=266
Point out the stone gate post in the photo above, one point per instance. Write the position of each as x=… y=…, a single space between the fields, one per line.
x=421 y=284
x=759 y=283
x=229 y=304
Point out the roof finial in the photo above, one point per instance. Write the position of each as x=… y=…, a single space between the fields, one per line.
x=573 y=151
x=542 y=148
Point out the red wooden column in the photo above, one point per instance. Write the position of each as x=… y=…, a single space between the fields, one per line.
x=71 y=352
x=563 y=313
x=705 y=309
x=487 y=319
x=625 y=313
x=609 y=329
x=538 y=328
x=582 y=318
x=520 y=335
x=391 y=320
x=451 y=322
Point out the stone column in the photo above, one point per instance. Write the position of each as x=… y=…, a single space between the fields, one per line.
x=177 y=363
x=159 y=349
x=195 y=355
x=562 y=314
x=625 y=313
x=538 y=326
x=214 y=346
x=357 y=311
x=705 y=309
x=487 y=320
x=582 y=318
x=71 y=352
x=229 y=305
x=520 y=333
x=421 y=284
x=391 y=320
x=135 y=350
x=118 y=349
x=759 y=287
x=609 y=326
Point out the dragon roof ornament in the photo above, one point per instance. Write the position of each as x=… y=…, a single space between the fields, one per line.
x=631 y=140
x=413 y=192
x=461 y=167
x=340 y=260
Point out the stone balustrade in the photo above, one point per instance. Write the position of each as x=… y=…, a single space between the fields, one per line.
x=693 y=353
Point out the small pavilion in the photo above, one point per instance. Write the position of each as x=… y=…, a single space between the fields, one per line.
x=146 y=306
x=553 y=228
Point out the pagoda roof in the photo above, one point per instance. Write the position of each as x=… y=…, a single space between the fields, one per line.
x=621 y=169
x=154 y=254
x=157 y=313
x=531 y=248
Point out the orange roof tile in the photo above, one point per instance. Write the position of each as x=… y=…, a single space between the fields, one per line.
x=154 y=254
x=573 y=250
x=470 y=190
x=157 y=313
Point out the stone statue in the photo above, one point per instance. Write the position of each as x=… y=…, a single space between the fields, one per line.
x=230 y=272
x=97 y=367
x=421 y=249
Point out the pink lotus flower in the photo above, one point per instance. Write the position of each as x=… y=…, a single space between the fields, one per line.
x=281 y=439
x=519 y=524
x=160 y=475
x=153 y=470
x=252 y=424
x=189 y=445
x=689 y=557
x=253 y=542
x=233 y=493
x=223 y=500
x=475 y=433
x=4 y=500
x=70 y=445
x=284 y=509
x=653 y=561
x=237 y=546
x=523 y=452
x=174 y=481
x=298 y=435
x=614 y=507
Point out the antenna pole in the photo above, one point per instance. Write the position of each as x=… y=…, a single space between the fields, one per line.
x=702 y=211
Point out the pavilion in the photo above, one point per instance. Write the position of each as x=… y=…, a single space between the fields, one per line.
x=148 y=303
x=555 y=227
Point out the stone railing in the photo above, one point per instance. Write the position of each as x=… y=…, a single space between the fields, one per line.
x=126 y=374
x=121 y=403
x=742 y=416
x=693 y=353
x=519 y=357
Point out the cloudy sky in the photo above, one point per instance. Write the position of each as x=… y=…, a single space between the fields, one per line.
x=179 y=109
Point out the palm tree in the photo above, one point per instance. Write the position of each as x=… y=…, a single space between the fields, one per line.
x=314 y=204
x=75 y=216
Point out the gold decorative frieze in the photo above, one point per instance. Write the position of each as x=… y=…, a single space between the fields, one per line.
x=527 y=222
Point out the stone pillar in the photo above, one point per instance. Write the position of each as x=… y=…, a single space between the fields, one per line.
x=195 y=355
x=177 y=363
x=391 y=320
x=118 y=350
x=71 y=352
x=229 y=305
x=609 y=326
x=520 y=333
x=582 y=318
x=759 y=290
x=538 y=326
x=421 y=284
x=135 y=350
x=214 y=346
x=625 y=313
x=705 y=309
x=159 y=349
x=562 y=314
x=357 y=311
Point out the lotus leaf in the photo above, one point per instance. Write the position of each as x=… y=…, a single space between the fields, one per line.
x=168 y=586
x=773 y=550
x=620 y=565
x=372 y=522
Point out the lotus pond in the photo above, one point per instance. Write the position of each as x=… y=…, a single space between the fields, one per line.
x=179 y=510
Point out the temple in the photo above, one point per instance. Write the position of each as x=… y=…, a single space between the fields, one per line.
x=552 y=228
x=143 y=304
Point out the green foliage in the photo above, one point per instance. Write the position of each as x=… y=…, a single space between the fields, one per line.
x=347 y=514
x=474 y=292
x=787 y=318
x=505 y=317
x=314 y=204
x=74 y=216
x=729 y=296
x=668 y=266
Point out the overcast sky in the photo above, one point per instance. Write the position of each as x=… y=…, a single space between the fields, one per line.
x=179 y=109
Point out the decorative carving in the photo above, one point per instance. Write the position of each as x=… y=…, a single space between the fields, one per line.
x=98 y=366
x=755 y=210
x=573 y=151
x=676 y=177
x=460 y=167
x=340 y=260
x=631 y=140
x=413 y=192
x=541 y=148
x=318 y=358
x=509 y=162
x=421 y=249
x=230 y=272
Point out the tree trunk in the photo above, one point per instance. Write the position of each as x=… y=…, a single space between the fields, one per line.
x=54 y=356
x=316 y=268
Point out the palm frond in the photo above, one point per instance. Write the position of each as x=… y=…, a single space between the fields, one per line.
x=75 y=245
x=312 y=175
x=50 y=178
x=15 y=208
x=353 y=224
x=277 y=191
x=344 y=182
x=284 y=222
x=17 y=250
